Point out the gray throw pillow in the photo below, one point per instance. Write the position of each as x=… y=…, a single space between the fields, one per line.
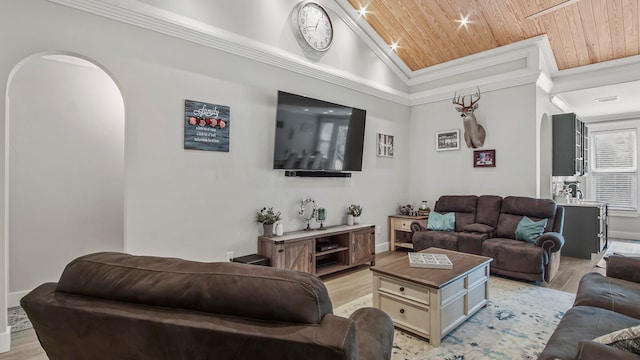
x=441 y=222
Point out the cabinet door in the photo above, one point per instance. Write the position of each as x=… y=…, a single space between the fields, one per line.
x=298 y=256
x=363 y=247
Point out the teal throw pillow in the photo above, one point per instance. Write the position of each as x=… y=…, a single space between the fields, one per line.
x=529 y=230
x=441 y=222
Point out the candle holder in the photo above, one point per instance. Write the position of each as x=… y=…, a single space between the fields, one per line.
x=321 y=216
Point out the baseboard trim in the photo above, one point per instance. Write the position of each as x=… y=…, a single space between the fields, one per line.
x=380 y=248
x=5 y=340
x=13 y=299
x=624 y=235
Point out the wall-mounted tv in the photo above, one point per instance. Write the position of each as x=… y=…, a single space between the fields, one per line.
x=317 y=136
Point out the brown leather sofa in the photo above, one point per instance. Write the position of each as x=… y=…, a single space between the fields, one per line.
x=603 y=304
x=119 y=306
x=486 y=225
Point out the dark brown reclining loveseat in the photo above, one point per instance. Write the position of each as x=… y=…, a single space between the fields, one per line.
x=486 y=225
x=118 y=306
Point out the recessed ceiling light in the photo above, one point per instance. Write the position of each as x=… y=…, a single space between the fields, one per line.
x=394 y=46
x=607 y=98
x=363 y=11
x=464 y=21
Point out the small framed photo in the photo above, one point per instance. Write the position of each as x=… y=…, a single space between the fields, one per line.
x=448 y=140
x=484 y=158
x=384 y=145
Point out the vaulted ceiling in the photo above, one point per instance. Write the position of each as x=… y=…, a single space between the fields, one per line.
x=430 y=32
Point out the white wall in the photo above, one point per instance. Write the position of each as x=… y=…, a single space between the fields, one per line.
x=545 y=109
x=196 y=204
x=66 y=169
x=508 y=116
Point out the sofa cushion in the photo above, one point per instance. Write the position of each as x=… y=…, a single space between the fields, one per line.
x=529 y=230
x=222 y=288
x=609 y=293
x=479 y=228
x=627 y=339
x=441 y=239
x=515 y=255
x=488 y=210
x=463 y=205
x=442 y=222
x=579 y=323
x=515 y=207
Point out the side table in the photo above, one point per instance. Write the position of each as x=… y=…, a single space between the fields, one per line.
x=400 y=230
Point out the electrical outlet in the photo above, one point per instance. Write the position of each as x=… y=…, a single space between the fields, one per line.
x=230 y=255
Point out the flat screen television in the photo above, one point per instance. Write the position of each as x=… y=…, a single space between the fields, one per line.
x=317 y=136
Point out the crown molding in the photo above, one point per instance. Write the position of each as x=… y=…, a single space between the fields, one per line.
x=534 y=53
x=155 y=19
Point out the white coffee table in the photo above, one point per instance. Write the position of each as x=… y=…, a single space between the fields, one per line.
x=432 y=302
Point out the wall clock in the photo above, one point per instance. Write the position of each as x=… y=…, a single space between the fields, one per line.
x=312 y=27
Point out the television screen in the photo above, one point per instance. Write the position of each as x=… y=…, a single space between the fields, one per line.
x=317 y=135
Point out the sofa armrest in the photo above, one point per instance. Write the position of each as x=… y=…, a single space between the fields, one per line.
x=374 y=333
x=623 y=267
x=418 y=225
x=550 y=241
x=589 y=349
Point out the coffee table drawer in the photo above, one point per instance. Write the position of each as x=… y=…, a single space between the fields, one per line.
x=406 y=315
x=404 y=290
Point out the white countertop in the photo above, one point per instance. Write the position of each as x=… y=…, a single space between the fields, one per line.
x=587 y=203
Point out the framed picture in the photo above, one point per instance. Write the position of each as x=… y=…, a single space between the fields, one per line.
x=206 y=126
x=384 y=145
x=448 y=140
x=484 y=158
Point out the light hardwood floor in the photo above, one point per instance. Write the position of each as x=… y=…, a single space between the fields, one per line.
x=343 y=287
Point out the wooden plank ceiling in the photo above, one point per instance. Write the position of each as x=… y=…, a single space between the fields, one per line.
x=428 y=32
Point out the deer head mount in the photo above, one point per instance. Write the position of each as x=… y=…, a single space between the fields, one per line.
x=474 y=133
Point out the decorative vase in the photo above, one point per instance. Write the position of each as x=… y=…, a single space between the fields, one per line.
x=279 y=229
x=267 y=229
x=356 y=220
x=349 y=219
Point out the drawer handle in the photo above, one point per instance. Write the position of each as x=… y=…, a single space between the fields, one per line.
x=401 y=311
x=401 y=288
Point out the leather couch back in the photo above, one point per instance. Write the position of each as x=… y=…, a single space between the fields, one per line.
x=514 y=208
x=489 y=207
x=226 y=288
x=463 y=205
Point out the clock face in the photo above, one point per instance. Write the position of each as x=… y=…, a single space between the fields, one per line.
x=314 y=26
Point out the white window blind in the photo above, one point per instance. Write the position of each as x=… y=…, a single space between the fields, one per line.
x=614 y=168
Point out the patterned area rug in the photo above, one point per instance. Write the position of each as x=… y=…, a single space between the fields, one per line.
x=516 y=324
x=18 y=320
x=622 y=247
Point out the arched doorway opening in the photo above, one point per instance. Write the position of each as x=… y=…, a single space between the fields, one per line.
x=65 y=167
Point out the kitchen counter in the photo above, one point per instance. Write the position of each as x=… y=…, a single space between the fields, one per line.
x=592 y=203
x=585 y=228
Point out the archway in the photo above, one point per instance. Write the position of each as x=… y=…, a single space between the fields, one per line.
x=545 y=160
x=65 y=167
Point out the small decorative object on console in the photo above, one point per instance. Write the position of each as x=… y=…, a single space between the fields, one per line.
x=267 y=217
x=321 y=216
x=431 y=261
x=307 y=211
x=354 y=211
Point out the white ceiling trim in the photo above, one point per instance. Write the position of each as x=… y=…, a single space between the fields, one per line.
x=536 y=51
x=168 y=23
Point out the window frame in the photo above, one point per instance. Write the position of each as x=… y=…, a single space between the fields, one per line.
x=614 y=126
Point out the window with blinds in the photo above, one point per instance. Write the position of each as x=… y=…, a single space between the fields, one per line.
x=614 y=168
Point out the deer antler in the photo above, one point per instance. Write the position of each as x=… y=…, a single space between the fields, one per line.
x=459 y=99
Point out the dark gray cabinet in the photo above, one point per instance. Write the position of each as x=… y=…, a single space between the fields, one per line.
x=585 y=229
x=570 y=146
